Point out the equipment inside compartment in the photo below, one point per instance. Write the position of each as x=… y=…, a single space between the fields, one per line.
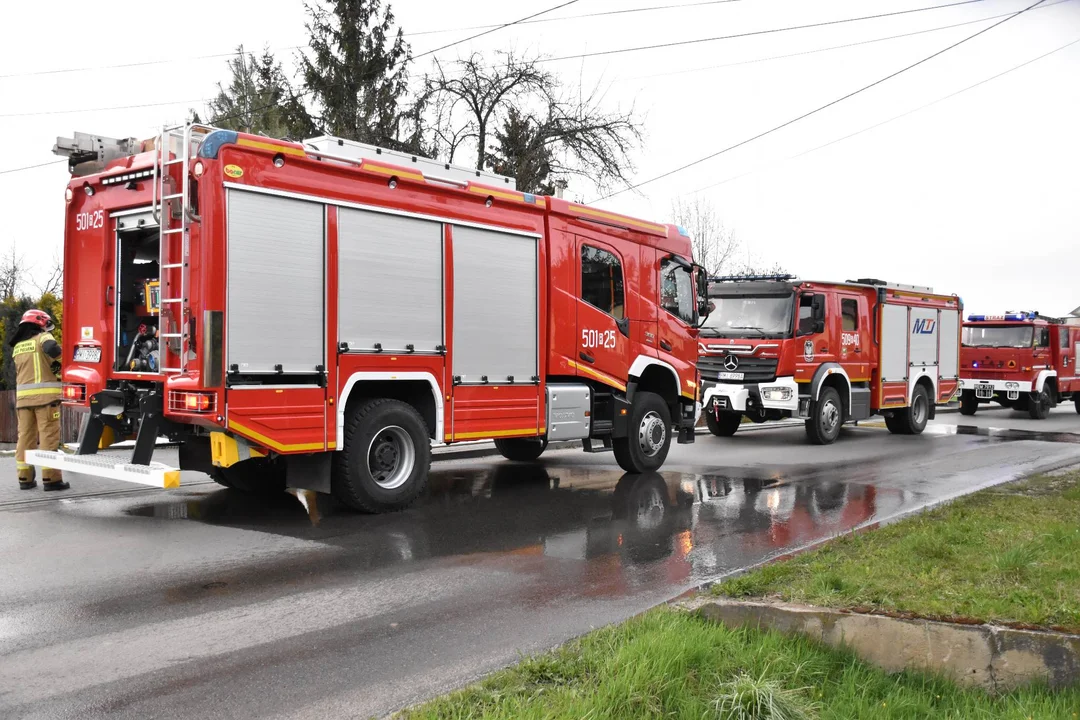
x=138 y=307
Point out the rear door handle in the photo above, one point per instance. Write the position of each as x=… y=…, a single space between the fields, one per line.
x=664 y=344
x=586 y=358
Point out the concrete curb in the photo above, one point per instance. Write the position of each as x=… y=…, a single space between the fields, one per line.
x=994 y=658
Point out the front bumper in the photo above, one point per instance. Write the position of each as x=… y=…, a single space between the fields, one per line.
x=779 y=394
x=1009 y=388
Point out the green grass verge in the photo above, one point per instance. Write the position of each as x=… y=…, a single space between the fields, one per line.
x=1008 y=554
x=669 y=664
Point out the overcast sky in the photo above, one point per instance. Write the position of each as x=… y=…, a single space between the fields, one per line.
x=977 y=195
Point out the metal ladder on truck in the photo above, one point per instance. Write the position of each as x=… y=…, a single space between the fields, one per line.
x=174 y=242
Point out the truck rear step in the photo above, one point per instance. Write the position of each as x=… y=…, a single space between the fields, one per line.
x=153 y=475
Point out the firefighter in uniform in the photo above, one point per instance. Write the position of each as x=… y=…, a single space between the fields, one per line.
x=37 y=396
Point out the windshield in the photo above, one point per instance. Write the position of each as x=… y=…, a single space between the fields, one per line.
x=998 y=337
x=742 y=315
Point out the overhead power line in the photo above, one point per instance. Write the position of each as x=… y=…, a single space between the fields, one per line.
x=698 y=41
x=605 y=13
x=495 y=29
x=860 y=43
x=816 y=110
x=759 y=32
x=31 y=167
x=105 y=109
x=901 y=115
x=119 y=66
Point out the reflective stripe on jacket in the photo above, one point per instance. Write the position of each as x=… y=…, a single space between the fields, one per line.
x=35 y=382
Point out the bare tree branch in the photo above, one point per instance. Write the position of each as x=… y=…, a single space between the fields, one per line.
x=714 y=246
x=54 y=281
x=12 y=274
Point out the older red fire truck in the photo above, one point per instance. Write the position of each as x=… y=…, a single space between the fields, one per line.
x=1023 y=360
x=318 y=314
x=776 y=347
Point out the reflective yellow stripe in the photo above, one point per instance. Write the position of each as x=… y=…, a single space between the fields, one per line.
x=498 y=433
x=272 y=443
x=383 y=170
x=36 y=392
x=598 y=375
x=272 y=147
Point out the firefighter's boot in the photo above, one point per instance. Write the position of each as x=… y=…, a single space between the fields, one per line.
x=26 y=477
x=49 y=486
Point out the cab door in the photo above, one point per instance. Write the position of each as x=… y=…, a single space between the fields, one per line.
x=854 y=336
x=1065 y=362
x=676 y=315
x=603 y=328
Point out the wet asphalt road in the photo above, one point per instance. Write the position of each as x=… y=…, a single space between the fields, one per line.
x=201 y=602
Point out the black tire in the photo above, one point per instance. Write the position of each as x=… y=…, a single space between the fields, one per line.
x=257 y=476
x=895 y=423
x=1039 y=404
x=826 y=418
x=726 y=426
x=385 y=461
x=649 y=439
x=521 y=449
x=912 y=419
x=968 y=403
x=1076 y=401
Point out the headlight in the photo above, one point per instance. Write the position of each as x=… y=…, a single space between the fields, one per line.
x=1012 y=386
x=776 y=394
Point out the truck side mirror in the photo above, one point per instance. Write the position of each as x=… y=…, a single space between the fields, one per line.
x=817 y=310
x=704 y=307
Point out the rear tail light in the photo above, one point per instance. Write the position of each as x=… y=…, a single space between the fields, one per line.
x=74 y=392
x=192 y=402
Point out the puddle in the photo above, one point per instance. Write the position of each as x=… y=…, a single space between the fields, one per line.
x=1004 y=434
x=693 y=524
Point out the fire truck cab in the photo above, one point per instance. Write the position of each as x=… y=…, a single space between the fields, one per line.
x=776 y=347
x=1021 y=360
x=320 y=314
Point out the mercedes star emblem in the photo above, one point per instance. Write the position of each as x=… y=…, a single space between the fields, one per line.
x=731 y=362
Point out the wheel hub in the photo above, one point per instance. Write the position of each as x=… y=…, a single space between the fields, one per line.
x=391 y=457
x=830 y=416
x=651 y=434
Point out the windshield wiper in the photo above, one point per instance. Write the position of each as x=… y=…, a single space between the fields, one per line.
x=749 y=327
x=710 y=332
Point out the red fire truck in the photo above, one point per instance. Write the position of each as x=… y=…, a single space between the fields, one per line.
x=318 y=314
x=1023 y=360
x=776 y=347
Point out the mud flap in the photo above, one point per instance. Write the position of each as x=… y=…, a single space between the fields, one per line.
x=309 y=472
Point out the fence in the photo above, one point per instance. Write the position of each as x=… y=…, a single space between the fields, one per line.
x=9 y=422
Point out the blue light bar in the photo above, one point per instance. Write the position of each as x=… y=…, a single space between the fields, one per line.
x=1012 y=316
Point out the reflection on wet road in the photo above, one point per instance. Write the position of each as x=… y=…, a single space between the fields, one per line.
x=696 y=526
x=205 y=602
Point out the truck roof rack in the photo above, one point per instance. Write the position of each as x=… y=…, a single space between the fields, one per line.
x=891 y=286
x=329 y=147
x=749 y=278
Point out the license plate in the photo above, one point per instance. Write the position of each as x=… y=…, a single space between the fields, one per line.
x=731 y=376
x=88 y=354
x=984 y=391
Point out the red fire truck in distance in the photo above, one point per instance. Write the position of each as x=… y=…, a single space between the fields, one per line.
x=1022 y=360
x=319 y=314
x=776 y=347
